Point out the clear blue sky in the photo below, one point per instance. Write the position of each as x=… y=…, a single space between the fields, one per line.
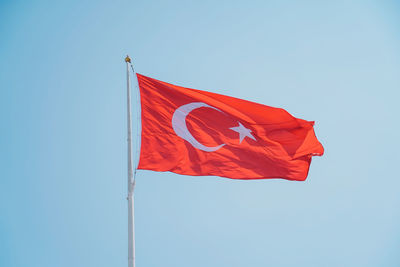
x=63 y=132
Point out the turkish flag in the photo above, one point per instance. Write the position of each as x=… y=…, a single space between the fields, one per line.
x=193 y=132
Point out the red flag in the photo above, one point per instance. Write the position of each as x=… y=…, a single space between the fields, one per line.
x=194 y=132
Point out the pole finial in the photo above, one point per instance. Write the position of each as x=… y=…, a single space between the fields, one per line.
x=127 y=59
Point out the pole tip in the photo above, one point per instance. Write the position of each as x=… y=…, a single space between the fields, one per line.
x=127 y=59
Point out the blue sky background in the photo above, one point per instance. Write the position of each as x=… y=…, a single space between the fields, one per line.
x=63 y=132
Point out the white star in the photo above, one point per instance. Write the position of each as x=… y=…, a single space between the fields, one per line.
x=243 y=132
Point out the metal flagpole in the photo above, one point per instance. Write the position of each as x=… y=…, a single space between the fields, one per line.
x=131 y=181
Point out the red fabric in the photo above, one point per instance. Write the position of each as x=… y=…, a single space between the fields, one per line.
x=282 y=148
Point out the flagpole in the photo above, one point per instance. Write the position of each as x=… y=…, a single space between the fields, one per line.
x=131 y=181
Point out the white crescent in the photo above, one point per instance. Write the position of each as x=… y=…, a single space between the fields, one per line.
x=180 y=127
